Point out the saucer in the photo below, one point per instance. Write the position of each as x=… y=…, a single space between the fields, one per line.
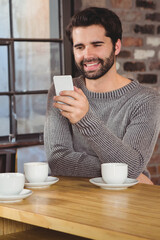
x=100 y=183
x=15 y=198
x=49 y=181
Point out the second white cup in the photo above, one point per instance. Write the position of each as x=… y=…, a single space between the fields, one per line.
x=114 y=173
x=36 y=172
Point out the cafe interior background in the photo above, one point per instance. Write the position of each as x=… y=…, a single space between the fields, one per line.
x=34 y=48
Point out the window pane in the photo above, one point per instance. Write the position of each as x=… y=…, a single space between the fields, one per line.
x=3 y=69
x=32 y=19
x=31 y=110
x=4 y=19
x=4 y=116
x=35 y=64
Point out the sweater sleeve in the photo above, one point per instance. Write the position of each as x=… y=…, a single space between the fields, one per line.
x=138 y=142
x=62 y=158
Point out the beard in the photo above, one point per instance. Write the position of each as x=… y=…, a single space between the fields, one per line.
x=106 y=65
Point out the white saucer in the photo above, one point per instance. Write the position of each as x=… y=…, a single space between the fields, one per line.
x=15 y=198
x=100 y=183
x=49 y=181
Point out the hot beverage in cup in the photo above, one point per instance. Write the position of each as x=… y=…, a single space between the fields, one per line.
x=11 y=183
x=36 y=172
x=114 y=173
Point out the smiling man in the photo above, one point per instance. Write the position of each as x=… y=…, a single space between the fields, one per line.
x=90 y=51
x=107 y=118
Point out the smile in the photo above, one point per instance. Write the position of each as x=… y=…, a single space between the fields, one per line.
x=91 y=66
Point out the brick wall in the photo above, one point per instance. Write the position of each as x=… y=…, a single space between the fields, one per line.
x=140 y=54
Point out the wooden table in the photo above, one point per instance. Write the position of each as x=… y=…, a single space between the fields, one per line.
x=75 y=206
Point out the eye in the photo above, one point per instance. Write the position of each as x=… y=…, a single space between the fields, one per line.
x=97 y=45
x=78 y=47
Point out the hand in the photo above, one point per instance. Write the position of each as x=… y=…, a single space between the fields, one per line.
x=144 y=179
x=74 y=104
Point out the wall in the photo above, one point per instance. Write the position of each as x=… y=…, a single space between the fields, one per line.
x=140 y=54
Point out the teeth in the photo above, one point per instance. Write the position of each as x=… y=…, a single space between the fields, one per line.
x=91 y=64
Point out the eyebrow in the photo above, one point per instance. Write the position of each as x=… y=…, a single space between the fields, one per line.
x=95 y=42
x=81 y=44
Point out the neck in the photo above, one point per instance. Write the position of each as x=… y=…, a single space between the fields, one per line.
x=109 y=82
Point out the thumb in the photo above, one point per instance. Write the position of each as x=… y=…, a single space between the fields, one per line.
x=78 y=90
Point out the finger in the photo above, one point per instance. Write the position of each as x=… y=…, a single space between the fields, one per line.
x=69 y=116
x=65 y=99
x=60 y=98
x=65 y=114
x=78 y=90
x=72 y=94
x=63 y=107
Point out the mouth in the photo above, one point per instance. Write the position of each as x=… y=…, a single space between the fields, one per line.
x=91 y=66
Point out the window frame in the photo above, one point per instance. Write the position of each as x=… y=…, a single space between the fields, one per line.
x=65 y=12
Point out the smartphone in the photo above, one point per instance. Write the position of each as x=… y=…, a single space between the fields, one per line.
x=63 y=82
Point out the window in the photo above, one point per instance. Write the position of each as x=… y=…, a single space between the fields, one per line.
x=33 y=48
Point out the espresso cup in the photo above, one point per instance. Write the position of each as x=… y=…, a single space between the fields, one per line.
x=114 y=173
x=36 y=172
x=11 y=183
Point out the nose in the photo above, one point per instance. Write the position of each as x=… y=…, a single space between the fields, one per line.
x=88 y=52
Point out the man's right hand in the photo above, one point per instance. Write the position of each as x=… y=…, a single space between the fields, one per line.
x=75 y=105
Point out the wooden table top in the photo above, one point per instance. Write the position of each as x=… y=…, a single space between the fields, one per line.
x=75 y=206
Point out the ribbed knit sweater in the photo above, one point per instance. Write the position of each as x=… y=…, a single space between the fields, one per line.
x=120 y=126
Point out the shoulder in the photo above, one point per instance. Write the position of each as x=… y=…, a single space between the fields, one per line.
x=149 y=94
x=143 y=93
x=79 y=81
x=146 y=101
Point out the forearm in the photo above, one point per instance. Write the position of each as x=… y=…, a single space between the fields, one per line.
x=134 y=148
x=64 y=161
x=62 y=158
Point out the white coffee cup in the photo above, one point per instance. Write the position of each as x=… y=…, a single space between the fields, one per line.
x=11 y=183
x=114 y=173
x=36 y=172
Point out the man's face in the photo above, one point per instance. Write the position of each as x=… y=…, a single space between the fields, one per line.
x=93 y=51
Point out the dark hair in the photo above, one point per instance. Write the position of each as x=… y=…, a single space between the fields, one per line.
x=98 y=16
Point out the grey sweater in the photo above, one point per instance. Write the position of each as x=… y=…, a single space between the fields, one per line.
x=120 y=126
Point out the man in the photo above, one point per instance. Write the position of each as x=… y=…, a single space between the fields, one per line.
x=107 y=118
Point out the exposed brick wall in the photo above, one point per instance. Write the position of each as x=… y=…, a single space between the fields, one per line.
x=140 y=54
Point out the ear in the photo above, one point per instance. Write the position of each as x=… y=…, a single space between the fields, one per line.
x=118 y=47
